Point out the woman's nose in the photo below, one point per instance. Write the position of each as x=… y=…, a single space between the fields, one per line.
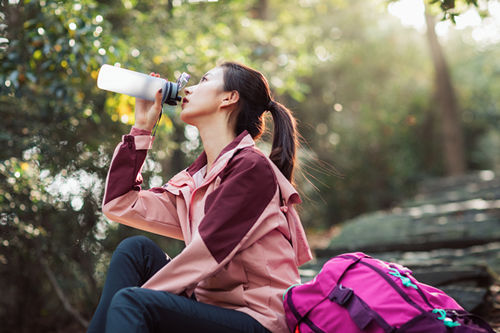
x=188 y=90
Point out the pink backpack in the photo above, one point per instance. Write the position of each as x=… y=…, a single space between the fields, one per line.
x=357 y=293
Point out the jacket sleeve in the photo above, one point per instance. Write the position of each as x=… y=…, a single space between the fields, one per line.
x=233 y=211
x=124 y=202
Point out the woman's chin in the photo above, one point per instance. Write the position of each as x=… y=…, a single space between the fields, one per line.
x=187 y=117
x=197 y=116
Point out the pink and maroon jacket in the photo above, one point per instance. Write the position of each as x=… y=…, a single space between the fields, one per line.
x=244 y=240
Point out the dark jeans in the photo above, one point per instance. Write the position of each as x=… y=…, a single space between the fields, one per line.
x=124 y=307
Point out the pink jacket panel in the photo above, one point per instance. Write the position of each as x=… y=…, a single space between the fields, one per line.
x=243 y=239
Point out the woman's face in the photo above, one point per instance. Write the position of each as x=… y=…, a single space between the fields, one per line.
x=203 y=100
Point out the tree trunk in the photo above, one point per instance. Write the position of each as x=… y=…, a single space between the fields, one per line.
x=451 y=129
x=260 y=10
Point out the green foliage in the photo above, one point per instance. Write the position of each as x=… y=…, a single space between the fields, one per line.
x=53 y=128
x=448 y=9
x=479 y=100
x=452 y=8
x=367 y=116
x=359 y=84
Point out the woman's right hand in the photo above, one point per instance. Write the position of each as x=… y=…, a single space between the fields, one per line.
x=148 y=112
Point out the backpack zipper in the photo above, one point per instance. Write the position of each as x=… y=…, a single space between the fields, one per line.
x=389 y=280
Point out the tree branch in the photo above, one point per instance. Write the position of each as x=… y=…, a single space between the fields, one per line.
x=62 y=297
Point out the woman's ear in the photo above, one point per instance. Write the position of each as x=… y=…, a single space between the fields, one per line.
x=230 y=99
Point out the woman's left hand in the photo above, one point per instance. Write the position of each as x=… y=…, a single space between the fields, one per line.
x=147 y=112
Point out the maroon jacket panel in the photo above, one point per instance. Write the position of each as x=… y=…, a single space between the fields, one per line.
x=247 y=186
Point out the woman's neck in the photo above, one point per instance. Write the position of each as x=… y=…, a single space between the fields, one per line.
x=214 y=139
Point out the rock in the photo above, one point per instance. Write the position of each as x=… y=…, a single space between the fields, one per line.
x=419 y=229
x=445 y=275
x=448 y=213
x=482 y=258
x=470 y=298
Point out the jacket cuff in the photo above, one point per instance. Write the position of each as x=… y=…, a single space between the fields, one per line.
x=137 y=131
x=141 y=142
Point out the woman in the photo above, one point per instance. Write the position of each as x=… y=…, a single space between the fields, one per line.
x=233 y=207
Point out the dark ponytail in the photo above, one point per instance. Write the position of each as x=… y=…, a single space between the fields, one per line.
x=284 y=139
x=255 y=99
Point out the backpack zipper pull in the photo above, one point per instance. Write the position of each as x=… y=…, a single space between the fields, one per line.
x=404 y=279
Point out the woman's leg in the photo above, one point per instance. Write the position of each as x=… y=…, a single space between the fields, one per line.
x=145 y=310
x=134 y=261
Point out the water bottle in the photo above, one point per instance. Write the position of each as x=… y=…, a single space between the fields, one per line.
x=139 y=85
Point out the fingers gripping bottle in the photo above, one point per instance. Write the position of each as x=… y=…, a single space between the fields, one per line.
x=139 y=85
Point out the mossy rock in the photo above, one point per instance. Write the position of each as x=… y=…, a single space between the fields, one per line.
x=461 y=213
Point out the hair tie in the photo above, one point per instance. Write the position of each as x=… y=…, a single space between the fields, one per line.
x=270 y=105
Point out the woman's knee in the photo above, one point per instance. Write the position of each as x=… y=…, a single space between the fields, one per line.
x=126 y=312
x=124 y=298
x=139 y=254
x=133 y=243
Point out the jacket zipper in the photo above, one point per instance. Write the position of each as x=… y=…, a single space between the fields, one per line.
x=205 y=183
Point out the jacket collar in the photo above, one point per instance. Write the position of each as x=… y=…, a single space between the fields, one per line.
x=241 y=141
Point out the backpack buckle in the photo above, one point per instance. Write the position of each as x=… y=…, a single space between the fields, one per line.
x=340 y=294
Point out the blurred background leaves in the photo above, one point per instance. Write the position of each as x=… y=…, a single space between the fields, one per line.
x=361 y=82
